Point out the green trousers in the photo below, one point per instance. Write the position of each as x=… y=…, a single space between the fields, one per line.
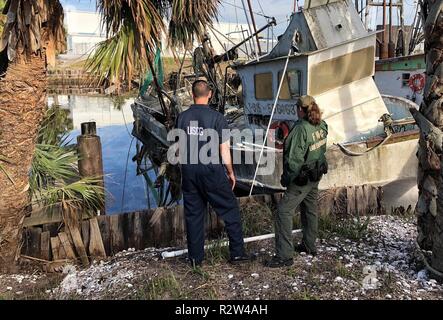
x=306 y=198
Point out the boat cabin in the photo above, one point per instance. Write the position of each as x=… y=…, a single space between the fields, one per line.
x=332 y=60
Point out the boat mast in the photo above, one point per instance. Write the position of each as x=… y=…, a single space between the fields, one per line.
x=384 y=51
x=249 y=27
x=391 y=46
x=254 y=26
x=387 y=45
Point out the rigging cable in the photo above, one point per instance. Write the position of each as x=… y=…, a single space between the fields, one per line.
x=126 y=173
x=236 y=6
x=272 y=113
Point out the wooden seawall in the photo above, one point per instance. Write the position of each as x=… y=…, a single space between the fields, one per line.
x=165 y=227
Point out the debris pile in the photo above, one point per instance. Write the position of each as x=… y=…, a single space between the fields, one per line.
x=380 y=265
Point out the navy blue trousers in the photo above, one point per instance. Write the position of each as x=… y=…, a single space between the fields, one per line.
x=208 y=183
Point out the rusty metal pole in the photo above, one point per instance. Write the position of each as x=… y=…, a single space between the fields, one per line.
x=249 y=28
x=90 y=161
x=254 y=26
x=384 y=49
x=391 y=46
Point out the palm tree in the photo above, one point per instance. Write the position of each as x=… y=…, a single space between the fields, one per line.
x=2 y=17
x=134 y=29
x=429 y=208
x=31 y=25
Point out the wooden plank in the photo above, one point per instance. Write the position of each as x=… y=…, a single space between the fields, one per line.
x=165 y=235
x=179 y=224
x=128 y=229
x=105 y=232
x=96 y=247
x=26 y=241
x=44 y=218
x=55 y=248
x=174 y=226
x=85 y=234
x=179 y=211
x=61 y=251
x=33 y=242
x=360 y=204
x=138 y=230
x=350 y=198
x=170 y=226
x=79 y=246
x=144 y=220
x=117 y=237
x=53 y=229
x=45 y=245
x=156 y=226
x=64 y=240
x=135 y=230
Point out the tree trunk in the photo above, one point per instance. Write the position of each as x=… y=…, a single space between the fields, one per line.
x=22 y=106
x=430 y=171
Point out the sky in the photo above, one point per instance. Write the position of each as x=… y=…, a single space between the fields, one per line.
x=232 y=11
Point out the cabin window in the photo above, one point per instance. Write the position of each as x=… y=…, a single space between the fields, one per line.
x=291 y=87
x=263 y=86
x=405 y=79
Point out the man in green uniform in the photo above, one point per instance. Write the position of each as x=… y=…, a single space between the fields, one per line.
x=304 y=164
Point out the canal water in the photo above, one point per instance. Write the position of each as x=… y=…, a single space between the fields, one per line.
x=125 y=191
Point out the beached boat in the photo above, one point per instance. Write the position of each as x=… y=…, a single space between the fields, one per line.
x=328 y=54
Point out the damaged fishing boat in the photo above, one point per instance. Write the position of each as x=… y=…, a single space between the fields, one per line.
x=325 y=52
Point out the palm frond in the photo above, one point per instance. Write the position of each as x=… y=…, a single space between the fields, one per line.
x=116 y=58
x=189 y=19
x=85 y=194
x=134 y=29
x=52 y=164
x=30 y=25
x=55 y=125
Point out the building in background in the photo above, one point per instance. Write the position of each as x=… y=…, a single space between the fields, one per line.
x=85 y=31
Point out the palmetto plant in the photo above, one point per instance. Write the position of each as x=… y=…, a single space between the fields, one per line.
x=135 y=30
x=55 y=123
x=83 y=196
x=54 y=179
x=55 y=182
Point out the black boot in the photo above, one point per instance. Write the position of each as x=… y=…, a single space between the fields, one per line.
x=277 y=262
x=302 y=248
x=242 y=259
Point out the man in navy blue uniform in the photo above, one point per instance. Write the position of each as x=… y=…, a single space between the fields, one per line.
x=204 y=181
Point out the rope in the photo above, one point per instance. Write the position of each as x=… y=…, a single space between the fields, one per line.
x=357 y=154
x=126 y=173
x=250 y=30
x=272 y=115
x=238 y=7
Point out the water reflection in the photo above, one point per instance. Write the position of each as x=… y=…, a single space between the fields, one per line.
x=125 y=190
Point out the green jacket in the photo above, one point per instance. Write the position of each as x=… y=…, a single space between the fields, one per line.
x=304 y=140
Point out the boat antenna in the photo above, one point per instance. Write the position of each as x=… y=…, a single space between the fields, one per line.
x=249 y=27
x=255 y=28
x=292 y=48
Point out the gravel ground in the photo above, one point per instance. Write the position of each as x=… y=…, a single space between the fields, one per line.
x=381 y=265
